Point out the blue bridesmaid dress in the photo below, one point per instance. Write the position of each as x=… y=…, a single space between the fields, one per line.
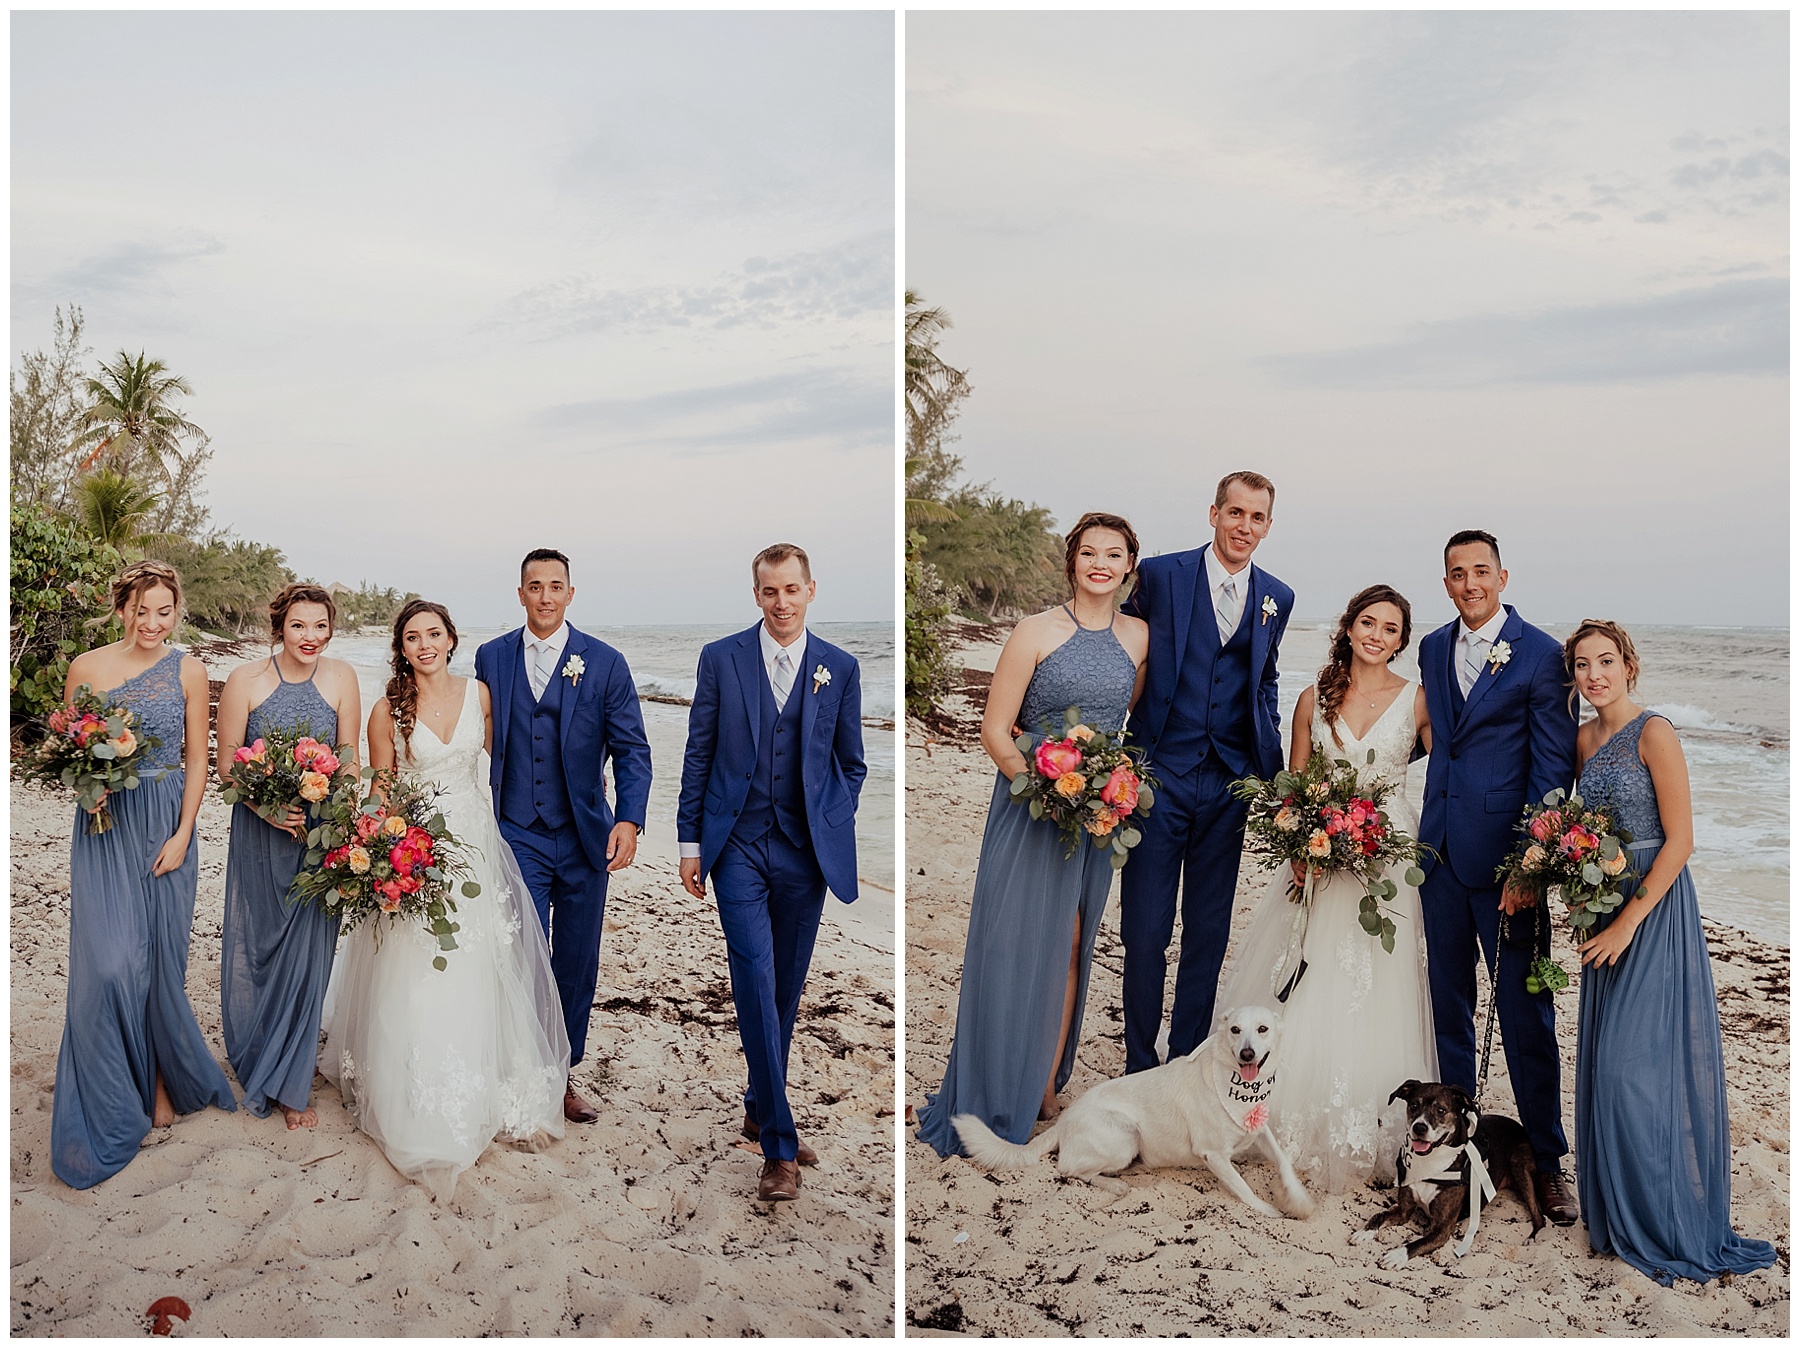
x=277 y=955
x=1023 y=914
x=1651 y=1132
x=128 y=1014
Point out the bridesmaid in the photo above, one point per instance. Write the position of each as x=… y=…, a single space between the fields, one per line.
x=1034 y=914
x=277 y=955
x=1650 y=1116
x=132 y=1054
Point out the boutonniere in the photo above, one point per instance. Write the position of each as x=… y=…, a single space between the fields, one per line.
x=1269 y=608
x=1498 y=654
x=573 y=668
x=821 y=677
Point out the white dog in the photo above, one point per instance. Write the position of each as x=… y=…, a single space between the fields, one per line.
x=1207 y=1107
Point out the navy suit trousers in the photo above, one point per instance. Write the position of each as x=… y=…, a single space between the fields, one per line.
x=570 y=897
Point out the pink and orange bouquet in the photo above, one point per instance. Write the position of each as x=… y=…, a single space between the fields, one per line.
x=1328 y=819
x=91 y=749
x=1575 y=848
x=1088 y=784
x=283 y=769
x=391 y=856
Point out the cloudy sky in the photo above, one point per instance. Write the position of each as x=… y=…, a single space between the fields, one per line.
x=1523 y=272
x=452 y=286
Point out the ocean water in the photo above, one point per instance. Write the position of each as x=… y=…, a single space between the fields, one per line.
x=663 y=660
x=1726 y=691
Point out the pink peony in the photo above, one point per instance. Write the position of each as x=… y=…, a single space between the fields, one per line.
x=1057 y=757
x=1121 y=789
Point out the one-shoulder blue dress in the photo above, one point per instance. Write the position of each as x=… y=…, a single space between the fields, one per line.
x=1022 y=919
x=1652 y=1138
x=128 y=1014
x=277 y=955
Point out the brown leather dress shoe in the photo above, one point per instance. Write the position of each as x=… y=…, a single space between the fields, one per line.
x=804 y=1154
x=1556 y=1196
x=780 y=1181
x=575 y=1109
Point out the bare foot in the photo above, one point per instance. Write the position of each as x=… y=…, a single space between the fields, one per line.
x=300 y=1118
x=1050 y=1108
x=162 y=1113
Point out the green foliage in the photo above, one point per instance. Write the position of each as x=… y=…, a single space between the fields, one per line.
x=227 y=581
x=370 y=606
x=47 y=402
x=61 y=605
x=1000 y=552
x=113 y=509
x=927 y=606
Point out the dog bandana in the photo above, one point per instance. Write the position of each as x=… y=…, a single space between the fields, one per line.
x=1246 y=1101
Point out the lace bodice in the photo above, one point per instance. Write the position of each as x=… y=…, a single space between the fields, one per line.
x=291 y=706
x=156 y=698
x=1090 y=670
x=454 y=768
x=1391 y=737
x=1616 y=776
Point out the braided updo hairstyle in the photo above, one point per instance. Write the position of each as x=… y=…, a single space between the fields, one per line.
x=1334 y=678
x=403 y=687
x=132 y=584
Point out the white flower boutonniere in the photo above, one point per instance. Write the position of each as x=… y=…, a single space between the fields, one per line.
x=1498 y=654
x=573 y=668
x=1269 y=608
x=821 y=677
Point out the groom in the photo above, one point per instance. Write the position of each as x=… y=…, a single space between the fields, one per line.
x=769 y=784
x=1503 y=734
x=1206 y=717
x=563 y=703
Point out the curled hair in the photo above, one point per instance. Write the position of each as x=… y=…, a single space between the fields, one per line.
x=774 y=555
x=138 y=579
x=1602 y=627
x=300 y=592
x=1334 y=678
x=1099 y=519
x=403 y=687
x=1252 y=481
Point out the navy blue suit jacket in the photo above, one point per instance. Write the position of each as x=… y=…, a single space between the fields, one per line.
x=1513 y=742
x=1164 y=598
x=600 y=720
x=721 y=751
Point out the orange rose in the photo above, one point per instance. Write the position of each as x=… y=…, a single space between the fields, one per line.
x=1071 y=785
x=315 y=786
x=1103 y=822
x=1319 y=845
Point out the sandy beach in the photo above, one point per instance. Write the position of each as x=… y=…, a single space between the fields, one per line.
x=642 y=1223
x=1026 y=1254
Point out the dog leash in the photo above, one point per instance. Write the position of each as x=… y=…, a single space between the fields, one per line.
x=1493 y=973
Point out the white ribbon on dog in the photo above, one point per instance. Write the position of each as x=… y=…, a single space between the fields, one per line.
x=1481 y=1189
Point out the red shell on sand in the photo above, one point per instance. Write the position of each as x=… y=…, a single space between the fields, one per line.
x=162 y=1309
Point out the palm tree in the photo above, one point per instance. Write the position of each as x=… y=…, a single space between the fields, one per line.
x=932 y=388
x=133 y=418
x=112 y=508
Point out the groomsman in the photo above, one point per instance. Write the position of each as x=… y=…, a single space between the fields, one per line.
x=1503 y=733
x=769 y=785
x=1207 y=716
x=563 y=704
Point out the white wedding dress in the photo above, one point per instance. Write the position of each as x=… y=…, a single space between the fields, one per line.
x=1358 y=1023
x=436 y=1064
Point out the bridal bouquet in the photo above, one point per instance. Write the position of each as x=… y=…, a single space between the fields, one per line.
x=1327 y=819
x=394 y=858
x=1575 y=848
x=283 y=769
x=1086 y=783
x=91 y=749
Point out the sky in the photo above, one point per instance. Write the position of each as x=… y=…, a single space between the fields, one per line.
x=1523 y=272
x=449 y=287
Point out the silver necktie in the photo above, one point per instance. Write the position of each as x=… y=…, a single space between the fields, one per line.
x=541 y=667
x=1473 y=659
x=784 y=678
x=1227 y=600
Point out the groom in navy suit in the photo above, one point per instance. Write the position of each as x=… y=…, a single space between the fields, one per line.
x=769 y=784
x=1206 y=717
x=1503 y=734
x=563 y=703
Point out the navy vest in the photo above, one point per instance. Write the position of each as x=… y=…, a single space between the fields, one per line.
x=533 y=786
x=1211 y=707
x=777 y=795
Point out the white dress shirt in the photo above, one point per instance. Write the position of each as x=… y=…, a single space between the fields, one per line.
x=546 y=651
x=770 y=649
x=1216 y=576
x=1481 y=640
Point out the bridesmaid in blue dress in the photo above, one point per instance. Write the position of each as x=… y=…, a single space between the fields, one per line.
x=277 y=955
x=132 y=1054
x=1651 y=1129
x=1034 y=913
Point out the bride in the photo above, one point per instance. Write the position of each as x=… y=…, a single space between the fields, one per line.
x=1358 y=1022
x=434 y=1065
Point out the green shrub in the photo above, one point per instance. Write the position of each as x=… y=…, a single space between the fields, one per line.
x=927 y=606
x=61 y=583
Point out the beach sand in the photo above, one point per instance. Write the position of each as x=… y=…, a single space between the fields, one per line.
x=1025 y=1253
x=642 y=1223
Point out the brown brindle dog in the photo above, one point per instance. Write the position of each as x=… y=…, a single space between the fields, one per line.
x=1433 y=1187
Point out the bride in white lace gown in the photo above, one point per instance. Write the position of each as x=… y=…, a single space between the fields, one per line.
x=1358 y=1023
x=436 y=1064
